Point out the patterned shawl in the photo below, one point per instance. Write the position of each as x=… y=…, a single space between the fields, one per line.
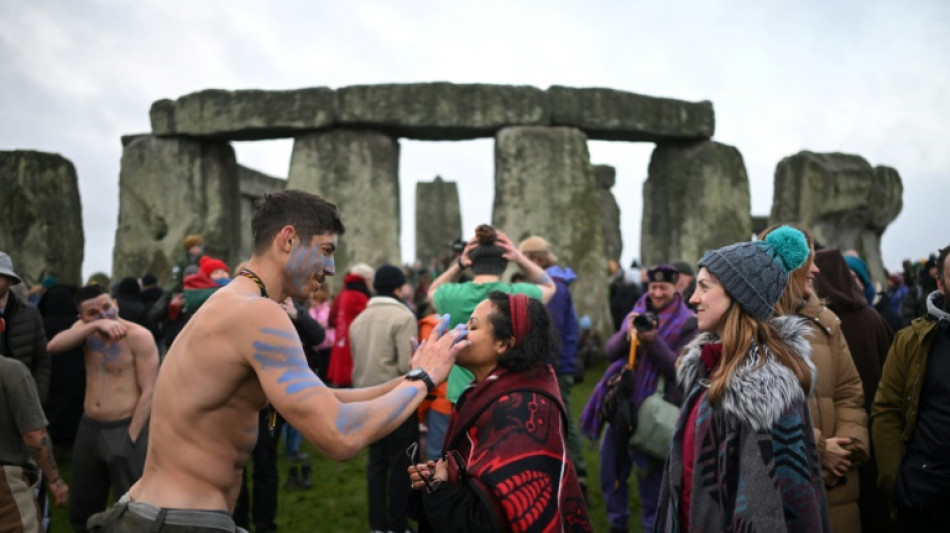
x=510 y=430
x=756 y=465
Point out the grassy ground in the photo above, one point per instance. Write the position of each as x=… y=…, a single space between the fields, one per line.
x=337 y=502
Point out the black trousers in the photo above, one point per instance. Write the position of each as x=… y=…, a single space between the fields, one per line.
x=387 y=477
x=104 y=458
x=261 y=501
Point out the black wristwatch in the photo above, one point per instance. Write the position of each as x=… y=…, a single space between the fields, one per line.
x=417 y=374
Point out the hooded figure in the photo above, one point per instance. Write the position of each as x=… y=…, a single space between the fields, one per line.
x=869 y=337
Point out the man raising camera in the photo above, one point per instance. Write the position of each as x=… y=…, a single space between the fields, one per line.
x=663 y=325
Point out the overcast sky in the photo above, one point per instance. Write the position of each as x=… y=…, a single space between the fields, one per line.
x=862 y=77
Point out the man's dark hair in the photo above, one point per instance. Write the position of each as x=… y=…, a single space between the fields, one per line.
x=88 y=293
x=308 y=213
x=539 y=347
x=941 y=259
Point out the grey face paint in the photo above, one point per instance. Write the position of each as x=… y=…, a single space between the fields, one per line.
x=303 y=263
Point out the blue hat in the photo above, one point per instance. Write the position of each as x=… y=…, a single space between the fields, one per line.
x=859 y=267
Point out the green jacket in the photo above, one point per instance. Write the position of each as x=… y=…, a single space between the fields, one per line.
x=894 y=413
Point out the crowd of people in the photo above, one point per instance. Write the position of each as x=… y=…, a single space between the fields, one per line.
x=795 y=392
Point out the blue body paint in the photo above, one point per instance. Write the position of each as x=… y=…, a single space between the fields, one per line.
x=303 y=263
x=287 y=358
x=110 y=351
x=444 y=325
x=352 y=417
x=403 y=399
x=290 y=335
x=463 y=333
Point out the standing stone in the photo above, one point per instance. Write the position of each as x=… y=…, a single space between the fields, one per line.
x=41 y=216
x=544 y=186
x=695 y=198
x=841 y=199
x=438 y=219
x=170 y=188
x=605 y=176
x=358 y=171
x=253 y=186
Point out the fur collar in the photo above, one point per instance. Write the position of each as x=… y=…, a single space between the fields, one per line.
x=762 y=395
x=936 y=306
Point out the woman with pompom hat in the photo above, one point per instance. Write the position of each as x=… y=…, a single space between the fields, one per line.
x=743 y=456
x=837 y=406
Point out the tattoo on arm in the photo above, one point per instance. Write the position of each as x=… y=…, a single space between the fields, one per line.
x=280 y=350
x=43 y=455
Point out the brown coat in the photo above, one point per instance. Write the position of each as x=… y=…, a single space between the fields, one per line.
x=837 y=409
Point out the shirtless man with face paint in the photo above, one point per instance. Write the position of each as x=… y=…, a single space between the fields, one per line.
x=239 y=352
x=121 y=366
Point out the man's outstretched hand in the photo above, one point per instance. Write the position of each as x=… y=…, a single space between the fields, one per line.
x=436 y=355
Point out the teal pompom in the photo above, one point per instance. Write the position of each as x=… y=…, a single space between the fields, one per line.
x=790 y=245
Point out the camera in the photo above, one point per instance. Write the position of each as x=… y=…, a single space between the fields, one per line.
x=645 y=322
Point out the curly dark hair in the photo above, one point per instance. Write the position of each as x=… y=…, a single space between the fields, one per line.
x=541 y=346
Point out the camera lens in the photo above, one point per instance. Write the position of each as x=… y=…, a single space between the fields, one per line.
x=645 y=322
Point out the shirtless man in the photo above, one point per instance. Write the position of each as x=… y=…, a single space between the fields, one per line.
x=121 y=366
x=240 y=351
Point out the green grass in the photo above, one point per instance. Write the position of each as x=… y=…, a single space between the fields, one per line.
x=337 y=502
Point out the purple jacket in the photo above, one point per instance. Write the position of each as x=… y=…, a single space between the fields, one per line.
x=677 y=327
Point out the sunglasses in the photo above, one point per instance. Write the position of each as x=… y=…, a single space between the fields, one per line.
x=411 y=452
x=455 y=463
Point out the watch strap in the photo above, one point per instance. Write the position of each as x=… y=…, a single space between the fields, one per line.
x=419 y=374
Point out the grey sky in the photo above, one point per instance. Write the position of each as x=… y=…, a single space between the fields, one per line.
x=860 y=77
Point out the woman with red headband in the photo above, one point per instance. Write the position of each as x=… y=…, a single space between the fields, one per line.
x=505 y=465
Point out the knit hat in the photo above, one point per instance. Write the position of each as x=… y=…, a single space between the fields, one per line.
x=210 y=264
x=191 y=241
x=364 y=271
x=663 y=273
x=755 y=273
x=535 y=244
x=6 y=268
x=683 y=268
x=388 y=278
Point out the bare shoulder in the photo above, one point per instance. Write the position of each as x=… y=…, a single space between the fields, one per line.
x=237 y=318
x=136 y=332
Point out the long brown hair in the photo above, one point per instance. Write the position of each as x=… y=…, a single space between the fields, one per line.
x=794 y=296
x=738 y=333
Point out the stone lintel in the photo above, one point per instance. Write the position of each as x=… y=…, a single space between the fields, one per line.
x=612 y=115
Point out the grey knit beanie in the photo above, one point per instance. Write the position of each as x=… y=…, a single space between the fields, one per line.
x=755 y=273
